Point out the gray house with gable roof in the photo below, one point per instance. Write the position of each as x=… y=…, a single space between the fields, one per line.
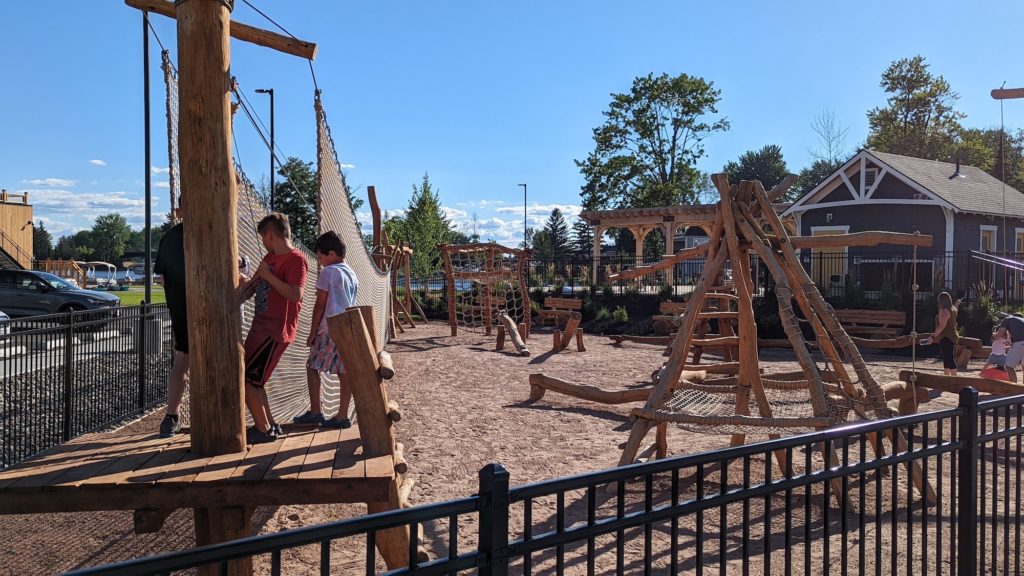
x=963 y=208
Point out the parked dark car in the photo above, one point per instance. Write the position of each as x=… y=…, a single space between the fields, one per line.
x=32 y=293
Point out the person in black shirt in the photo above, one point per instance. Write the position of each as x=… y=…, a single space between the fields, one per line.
x=170 y=264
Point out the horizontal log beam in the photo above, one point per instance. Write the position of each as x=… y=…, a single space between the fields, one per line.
x=680 y=256
x=1008 y=93
x=861 y=239
x=539 y=383
x=954 y=384
x=240 y=31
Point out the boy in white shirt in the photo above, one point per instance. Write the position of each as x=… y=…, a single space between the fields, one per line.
x=336 y=289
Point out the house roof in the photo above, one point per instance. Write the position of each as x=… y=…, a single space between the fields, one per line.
x=973 y=191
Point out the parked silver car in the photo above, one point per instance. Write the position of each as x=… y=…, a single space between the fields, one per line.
x=32 y=293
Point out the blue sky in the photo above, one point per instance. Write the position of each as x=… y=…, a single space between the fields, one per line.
x=482 y=95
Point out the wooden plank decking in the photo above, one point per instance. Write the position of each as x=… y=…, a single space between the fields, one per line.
x=143 y=471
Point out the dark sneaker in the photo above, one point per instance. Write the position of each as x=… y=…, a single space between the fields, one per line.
x=276 y=429
x=310 y=418
x=169 y=426
x=254 y=436
x=334 y=422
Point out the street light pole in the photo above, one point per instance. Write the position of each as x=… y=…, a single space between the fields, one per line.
x=524 y=215
x=271 y=92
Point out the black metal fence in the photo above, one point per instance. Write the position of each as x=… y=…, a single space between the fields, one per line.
x=63 y=375
x=934 y=493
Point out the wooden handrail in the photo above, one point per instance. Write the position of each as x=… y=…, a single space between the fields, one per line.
x=23 y=257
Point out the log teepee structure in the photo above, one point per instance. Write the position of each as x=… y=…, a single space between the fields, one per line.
x=815 y=398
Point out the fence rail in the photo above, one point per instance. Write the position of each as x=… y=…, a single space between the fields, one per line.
x=862 y=274
x=63 y=375
x=729 y=511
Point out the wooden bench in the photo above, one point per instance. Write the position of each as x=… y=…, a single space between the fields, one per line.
x=878 y=324
x=558 y=309
x=664 y=320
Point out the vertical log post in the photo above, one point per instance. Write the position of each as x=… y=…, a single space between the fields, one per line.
x=557 y=344
x=209 y=195
x=209 y=201
x=524 y=330
x=358 y=352
x=488 y=293
x=571 y=325
x=449 y=274
x=579 y=341
x=500 y=345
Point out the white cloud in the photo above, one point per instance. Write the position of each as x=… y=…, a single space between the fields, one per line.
x=97 y=162
x=346 y=166
x=166 y=185
x=454 y=214
x=157 y=170
x=55 y=182
x=542 y=211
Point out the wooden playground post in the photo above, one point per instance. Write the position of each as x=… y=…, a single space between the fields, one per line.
x=488 y=302
x=359 y=354
x=450 y=275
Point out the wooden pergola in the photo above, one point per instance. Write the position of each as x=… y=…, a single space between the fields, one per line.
x=642 y=221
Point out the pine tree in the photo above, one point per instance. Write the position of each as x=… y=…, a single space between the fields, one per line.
x=583 y=237
x=557 y=234
x=423 y=227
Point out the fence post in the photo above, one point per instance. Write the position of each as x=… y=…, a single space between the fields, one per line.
x=141 y=348
x=494 y=505
x=69 y=365
x=967 y=485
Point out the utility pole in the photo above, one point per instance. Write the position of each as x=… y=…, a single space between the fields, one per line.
x=524 y=216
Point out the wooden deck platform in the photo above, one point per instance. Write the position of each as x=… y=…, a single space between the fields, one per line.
x=143 y=471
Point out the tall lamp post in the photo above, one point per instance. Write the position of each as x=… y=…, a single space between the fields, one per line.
x=524 y=215
x=271 y=92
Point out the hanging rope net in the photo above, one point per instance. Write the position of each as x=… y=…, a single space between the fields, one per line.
x=711 y=408
x=287 y=389
x=483 y=280
x=334 y=211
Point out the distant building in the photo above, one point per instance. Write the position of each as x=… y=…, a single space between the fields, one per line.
x=16 y=231
x=962 y=207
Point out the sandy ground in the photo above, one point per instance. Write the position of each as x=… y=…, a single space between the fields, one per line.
x=464 y=406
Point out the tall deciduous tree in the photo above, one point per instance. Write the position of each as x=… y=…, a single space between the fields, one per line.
x=557 y=233
x=830 y=154
x=646 y=151
x=766 y=165
x=109 y=237
x=42 y=242
x=295 y=195
x=919 y=119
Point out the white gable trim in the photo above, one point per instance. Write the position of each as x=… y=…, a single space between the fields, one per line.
x=827 y=185
x=866 y=201
x=878 y=178
x=809 y=200
x=863 y=169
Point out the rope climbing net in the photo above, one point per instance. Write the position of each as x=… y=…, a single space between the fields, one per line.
x=287 y=389
x=484 y=280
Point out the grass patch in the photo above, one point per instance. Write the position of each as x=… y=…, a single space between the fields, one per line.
x=135 y=296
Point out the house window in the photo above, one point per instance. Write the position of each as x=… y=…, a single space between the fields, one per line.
x=1018 y=242
x=870 y=175
x=988 y=239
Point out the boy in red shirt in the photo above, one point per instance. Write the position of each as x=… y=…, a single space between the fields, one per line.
x=277 y=285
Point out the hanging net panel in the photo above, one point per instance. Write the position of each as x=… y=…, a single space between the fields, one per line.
x=484 y=280
x=335 y=213
x=287 y=389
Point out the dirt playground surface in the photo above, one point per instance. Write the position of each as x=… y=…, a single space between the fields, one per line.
x=464 y=406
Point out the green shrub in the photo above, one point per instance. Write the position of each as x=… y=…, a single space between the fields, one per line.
x=620 y=314
x=664 y=292
x=603 y=314
x=606 y=291
x=853 y=296
x=633 y=290
x=559 y=286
